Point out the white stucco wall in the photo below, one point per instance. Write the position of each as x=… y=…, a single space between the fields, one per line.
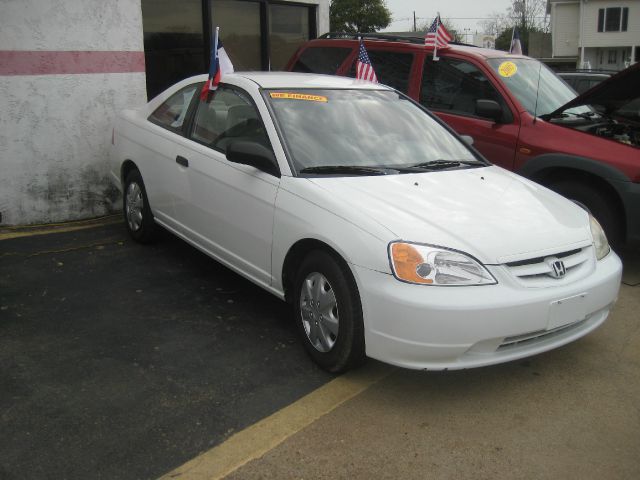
x=55 y=128
x=54 y=136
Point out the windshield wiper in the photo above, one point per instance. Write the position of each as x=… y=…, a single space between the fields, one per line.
x=442 y=164
x=346 y=169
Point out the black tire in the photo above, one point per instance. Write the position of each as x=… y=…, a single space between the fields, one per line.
x=348 y=349
x=136 y=209
x=598 y=203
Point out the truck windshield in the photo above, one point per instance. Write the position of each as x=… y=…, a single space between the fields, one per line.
x=531 y=81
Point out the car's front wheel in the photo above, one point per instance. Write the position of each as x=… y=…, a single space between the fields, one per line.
x=328 y=312
x=137 y=212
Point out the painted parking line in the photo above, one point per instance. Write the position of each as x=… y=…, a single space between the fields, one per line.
x=261 y=437
x=8 y=233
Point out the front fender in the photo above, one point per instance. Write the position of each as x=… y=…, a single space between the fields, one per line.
x=299 y=218
x=536 y=166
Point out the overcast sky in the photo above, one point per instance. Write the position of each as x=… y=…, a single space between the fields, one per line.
x=463 y=13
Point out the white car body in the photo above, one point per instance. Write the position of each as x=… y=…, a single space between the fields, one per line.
x=250 y=220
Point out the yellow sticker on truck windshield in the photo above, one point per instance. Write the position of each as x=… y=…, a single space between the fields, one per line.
x=507 y=69
x=299 y=96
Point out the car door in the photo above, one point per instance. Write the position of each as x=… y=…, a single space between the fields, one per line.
x=450 y=87
x=158 y=165
x=227 y=208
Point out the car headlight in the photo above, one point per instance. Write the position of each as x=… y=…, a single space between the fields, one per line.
x=431 y=265
x=600 y=242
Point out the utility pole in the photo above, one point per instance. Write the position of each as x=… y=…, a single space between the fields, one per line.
x=414 y=21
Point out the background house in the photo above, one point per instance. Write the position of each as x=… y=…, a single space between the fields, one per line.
x=67 y=66
x=597 y=34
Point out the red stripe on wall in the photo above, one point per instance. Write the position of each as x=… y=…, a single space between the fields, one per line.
x=14 y=62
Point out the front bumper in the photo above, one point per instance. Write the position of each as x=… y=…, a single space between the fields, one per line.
x=439 y=328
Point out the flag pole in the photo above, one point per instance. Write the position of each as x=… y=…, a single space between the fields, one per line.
x=513 y=33
x=435 y=43
x=215 y=45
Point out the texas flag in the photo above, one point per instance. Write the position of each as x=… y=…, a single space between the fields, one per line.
x=220 y=64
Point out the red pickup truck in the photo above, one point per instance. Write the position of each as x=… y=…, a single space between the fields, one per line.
x=520 y=114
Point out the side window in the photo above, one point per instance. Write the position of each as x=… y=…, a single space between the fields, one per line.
x=391 y=68
x=321 y=60
x=227 y=117
x=172 y=113
x=455 y=85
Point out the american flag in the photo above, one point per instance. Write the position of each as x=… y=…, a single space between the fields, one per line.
x=364 y=69
x=437 y=35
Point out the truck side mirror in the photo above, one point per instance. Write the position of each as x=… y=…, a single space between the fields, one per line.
x=489 y=109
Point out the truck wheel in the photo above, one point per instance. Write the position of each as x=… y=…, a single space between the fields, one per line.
x=598 y=203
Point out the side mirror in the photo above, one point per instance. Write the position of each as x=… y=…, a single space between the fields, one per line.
x=489 y=109
x=468 y=139
x=254 y=155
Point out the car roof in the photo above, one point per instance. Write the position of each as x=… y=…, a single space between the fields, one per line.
x=411 y=43
x=304 y=80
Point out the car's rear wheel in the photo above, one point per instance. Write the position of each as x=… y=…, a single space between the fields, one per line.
x=137 y=212
x=598 y=203
x=328 y=312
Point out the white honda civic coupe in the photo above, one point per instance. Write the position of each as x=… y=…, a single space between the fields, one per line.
x=391 y=237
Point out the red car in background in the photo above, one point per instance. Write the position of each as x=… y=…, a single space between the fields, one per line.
x=520 y=114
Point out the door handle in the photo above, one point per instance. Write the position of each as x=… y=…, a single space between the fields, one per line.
x=182 y=161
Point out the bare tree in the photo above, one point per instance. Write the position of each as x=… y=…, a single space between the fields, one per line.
x=527 y=15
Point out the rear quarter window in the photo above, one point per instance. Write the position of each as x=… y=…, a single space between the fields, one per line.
x=325 y=60
x=172 y=113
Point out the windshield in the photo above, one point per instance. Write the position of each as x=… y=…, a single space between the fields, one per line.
x=360 y=128
x=520 y=75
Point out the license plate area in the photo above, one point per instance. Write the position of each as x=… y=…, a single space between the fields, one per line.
x=567 y=310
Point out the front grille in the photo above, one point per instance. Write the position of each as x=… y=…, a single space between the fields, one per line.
x=537 y=271
x=533 y=337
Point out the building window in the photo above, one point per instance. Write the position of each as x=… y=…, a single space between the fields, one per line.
x=613 y=19
x=262 y=35
x=173 y=42
x=288 y=29
x=257 y=35
x=240 y=31
x=613 y=57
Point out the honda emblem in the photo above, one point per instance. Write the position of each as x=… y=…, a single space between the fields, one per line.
x=557 y=268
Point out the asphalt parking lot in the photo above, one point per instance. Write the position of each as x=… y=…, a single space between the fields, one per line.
x=128 y=361
x=124 y=361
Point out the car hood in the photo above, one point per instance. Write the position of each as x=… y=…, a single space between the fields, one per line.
x=488 y=212
x=611 y=95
